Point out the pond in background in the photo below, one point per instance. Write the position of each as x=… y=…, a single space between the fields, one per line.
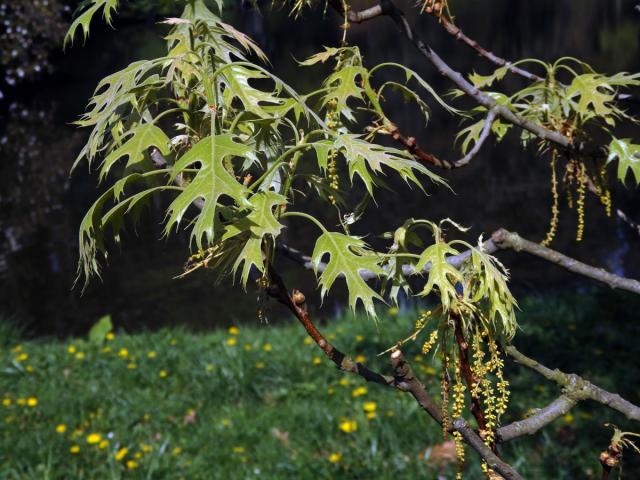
x=41 y=206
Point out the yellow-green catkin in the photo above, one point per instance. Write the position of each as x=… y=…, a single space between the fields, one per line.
x=456 y=411
x=555 y=208
x=428 y=345
x=581 y=193
x=603 y=191
x=444 y=394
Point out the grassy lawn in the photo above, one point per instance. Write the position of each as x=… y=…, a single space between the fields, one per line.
x=262 y=402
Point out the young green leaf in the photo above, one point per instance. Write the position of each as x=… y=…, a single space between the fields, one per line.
x=628 y=155
x=348 y=256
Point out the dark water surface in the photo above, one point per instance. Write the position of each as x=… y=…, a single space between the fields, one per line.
x=41 y=207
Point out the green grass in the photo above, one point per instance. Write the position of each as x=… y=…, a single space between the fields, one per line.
x=250 y=411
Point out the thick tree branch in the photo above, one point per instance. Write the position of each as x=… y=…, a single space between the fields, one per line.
x=507 y=240
x=403 y=379
x=576 y=387
x=542 y=417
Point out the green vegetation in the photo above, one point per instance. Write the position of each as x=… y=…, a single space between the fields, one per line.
x=263 y=402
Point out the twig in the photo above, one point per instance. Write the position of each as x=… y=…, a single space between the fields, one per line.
x=507 y=240
x=625 y=218
x=484 y=134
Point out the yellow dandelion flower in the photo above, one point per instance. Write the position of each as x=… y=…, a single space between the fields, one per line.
x=146 y=448
x=238 y=450
x=233 y=330
x=106 y=350
x=61 y=428
x=390 y=413
x=22 y=357
x=307 y=341
x=344 y=381
x=132 y=366
x=210 y=367
x=29 y=369
x=93 y=438
x=110 y=336
x=248 y=347
x=74 y=450
x=260 y=365
x=358 y=392
x=369 y=406
x=32 y=402
x=79 y=355
x=103 y=444
x=163 y=373
x=123 y=353
x=331 y=391
x=568 y=418
x=231 y=341
x=152 y=354
x=267 y=347
x=348 y=426
x=21 y=402
x=137 y=455
x=359 y=338
x=176 y=451
x=331 y=336
x=226 y=422
x=371 y=415
x=6 y=402
x=71 y=349
x=120 y=454
x=360 y=359
x=132 y=464
x=317 y=360
x=335 y=457
x=16 y=349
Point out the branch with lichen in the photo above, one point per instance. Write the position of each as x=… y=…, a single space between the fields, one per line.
x=575 y=389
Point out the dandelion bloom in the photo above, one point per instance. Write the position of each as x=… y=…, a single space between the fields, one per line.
x=344 y=381
x=123 y=353
x=238 y=450
x=335 y=457
x=260 y=365
x=360 y=358
x=151 y=354
x=248 y=347
x=226 y=422
x=359 y=338
x=61 y=428
x=132 y=464
x=371 y=415
x=163 y=373
x=79 y=355
x=267 y=347
x=132 y=366
x=358 y=392
x=231 y=341
x=146 y=448
x=233 y=330
x=93 y=438
x=348 y=426
x=369 y=406
x=74 y=450
x=209 y=367
x=32 y=401
x=21 y=401
x=176 y=451
x=103 y=444
x=106 y=350
x=307 y=341
x=110 y=336
x=317 y=360
x=120 y=454
x=71 y=349
x=6 y=402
